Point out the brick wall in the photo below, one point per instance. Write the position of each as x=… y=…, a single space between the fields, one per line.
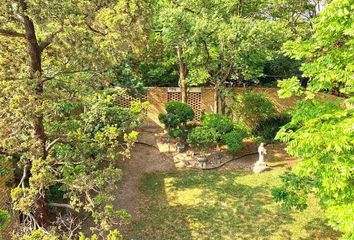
x=158 y=96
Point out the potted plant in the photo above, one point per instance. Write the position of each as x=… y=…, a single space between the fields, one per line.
x=202 y=138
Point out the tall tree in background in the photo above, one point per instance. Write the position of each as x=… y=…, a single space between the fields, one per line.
x=321 y=133
x=58 y=116
x=220 y=40
x=194 y=25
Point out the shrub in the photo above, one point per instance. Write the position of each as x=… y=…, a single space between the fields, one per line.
x=250 y=108
x=180 y=114
x=221 y=123
x=4 y=218
x=234 y=139
x=202 y=138
x=267 y=129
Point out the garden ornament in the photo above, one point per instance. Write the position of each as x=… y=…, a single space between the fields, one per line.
x=260 y=165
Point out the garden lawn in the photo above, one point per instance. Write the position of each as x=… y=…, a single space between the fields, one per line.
x=222 y=205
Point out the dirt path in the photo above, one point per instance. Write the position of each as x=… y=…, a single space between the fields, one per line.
x=144 y=159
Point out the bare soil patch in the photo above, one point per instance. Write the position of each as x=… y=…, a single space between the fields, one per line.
x=144 y=159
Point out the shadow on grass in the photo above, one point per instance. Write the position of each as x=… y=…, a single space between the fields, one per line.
x=316 y=227
x=209 y=205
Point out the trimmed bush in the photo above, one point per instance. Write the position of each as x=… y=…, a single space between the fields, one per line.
x=221 y=123
x=250 y=108
x=268 y=128
x=234 y=139
x=202 y=138
x=180 y=114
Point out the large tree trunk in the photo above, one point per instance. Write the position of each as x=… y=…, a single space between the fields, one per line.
x=219 y=98
x=182 y=74
x=216 y=99
x=34 y=52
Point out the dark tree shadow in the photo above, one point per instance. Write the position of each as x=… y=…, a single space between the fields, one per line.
x=318 y=229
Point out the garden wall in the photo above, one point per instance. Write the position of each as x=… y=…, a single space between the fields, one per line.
x=201 y=100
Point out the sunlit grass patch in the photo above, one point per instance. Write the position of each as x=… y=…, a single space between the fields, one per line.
x=222 y=205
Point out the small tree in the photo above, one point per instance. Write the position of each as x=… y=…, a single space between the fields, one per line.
x=176 y=117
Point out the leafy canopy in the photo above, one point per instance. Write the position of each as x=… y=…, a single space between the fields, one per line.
x=321 y=133
x=59 y=120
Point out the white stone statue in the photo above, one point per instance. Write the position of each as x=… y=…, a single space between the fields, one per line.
x=262 y=152
x=260 y=165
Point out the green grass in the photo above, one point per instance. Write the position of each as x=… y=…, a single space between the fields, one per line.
x=222 y=205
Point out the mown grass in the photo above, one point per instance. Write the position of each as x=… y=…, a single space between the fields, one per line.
x=222 y=205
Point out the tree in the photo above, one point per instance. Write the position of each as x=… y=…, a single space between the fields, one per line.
x=320 y=132
x=58 y=112
x=218 y=42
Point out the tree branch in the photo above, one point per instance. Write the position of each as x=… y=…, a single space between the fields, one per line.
x=62 y=205
x=184 y=8
x=45 y=79
x=24 y=176
x=95 y=30
x=45 y=43
x=11 y=33
x=53 y=143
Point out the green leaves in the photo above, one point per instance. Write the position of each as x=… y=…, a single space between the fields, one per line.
x=178 y=114
x=250 y=108
x=234 y=139
x=221 y=123
x=290 y=87
x=202 y=138
x=4 y=218
x=321 y=133
x=329 y=52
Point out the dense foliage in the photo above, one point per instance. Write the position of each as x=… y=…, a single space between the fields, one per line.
x=4 y=218
x=59 y=119
x=176 y=117
x=321 y=133
x=226 y=131
x=63 y=64
x=234 y=139
x=202 y=138
x=267 y=129
x=222 y=124
x=224 y=40
x=250 y=108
